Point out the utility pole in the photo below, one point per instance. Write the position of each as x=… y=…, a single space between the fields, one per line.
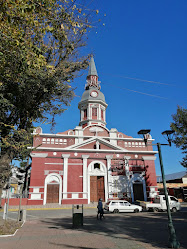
x=20 y=198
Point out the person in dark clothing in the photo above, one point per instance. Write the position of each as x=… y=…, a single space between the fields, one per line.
x=100 y=209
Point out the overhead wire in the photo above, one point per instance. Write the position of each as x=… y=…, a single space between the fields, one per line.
x=149 y=81
x=151 y=95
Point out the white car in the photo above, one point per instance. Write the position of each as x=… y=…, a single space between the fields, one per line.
x=117 y=206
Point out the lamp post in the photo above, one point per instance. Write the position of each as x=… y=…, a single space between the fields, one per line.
x=172 y=243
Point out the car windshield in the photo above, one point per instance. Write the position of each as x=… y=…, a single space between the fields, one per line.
x=173 y=199
x=108 y=203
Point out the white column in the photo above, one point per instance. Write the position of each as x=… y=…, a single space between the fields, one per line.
x=65 y=175
x=109 y=157
x=82 y=114
x=99 y=112
x=130 y=185
x=85 y=180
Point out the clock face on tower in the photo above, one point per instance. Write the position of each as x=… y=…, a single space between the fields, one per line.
x=94 y=94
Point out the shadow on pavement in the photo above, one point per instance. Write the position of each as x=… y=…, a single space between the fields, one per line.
x=148 y=228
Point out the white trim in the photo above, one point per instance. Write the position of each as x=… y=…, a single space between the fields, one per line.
x=94 y=150
x=63 y=163
x=65 y=177
x=85 y=184
x=65 y=155
x=92 y=101
x=93 y=139
x=75 y=163
x=91 y=125
x=36 y=186
x=149 y=158
x=36 y=193
x=38 y=154
x=141 y=179
x=35 y=196
x=109 y=174
x=79 y=136
x=46 y=183
x=36 y=199
x=55 y=163
x=97 y=172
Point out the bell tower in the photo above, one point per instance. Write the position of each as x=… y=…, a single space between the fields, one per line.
x=92 y=105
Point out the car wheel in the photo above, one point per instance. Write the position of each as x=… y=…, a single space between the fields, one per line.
x=136 y=210
x=116 y=211
x=174 y=210
x=155 y=210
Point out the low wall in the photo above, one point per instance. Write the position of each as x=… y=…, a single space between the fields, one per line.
x=15 y=201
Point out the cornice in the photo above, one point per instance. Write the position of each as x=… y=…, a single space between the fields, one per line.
x=81 y=136
x=93 y=150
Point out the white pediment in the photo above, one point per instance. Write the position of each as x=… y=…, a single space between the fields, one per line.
x=97 y=140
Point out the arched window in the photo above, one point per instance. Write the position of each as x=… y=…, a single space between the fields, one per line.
x=102 y=114
x=44 y=141
x=96 y=166
x=85 y=114
x=70 y=133
x=95 y=146
x=94 y=113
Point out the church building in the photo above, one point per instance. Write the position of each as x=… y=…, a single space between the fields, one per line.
x=81 y=165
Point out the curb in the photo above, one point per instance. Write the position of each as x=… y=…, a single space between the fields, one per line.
x=16 y=209
x=11 y=235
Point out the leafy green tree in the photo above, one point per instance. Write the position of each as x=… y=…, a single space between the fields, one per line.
x=179 y=125
x=40 y=47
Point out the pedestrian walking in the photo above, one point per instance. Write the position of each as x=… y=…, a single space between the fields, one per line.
x=100 y=211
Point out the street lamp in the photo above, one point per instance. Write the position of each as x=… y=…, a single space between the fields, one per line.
x=172 y=243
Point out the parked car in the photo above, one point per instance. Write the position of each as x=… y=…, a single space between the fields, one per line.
x=117 y=206
x=159 y=204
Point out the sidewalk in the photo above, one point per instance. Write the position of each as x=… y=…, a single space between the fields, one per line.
x=55 y=234
x=116 y=231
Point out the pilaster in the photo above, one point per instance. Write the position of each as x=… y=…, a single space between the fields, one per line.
x=65 y=176
x=109 y=158
x=85 y=180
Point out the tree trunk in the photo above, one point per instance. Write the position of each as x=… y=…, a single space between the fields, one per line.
x=1 y=190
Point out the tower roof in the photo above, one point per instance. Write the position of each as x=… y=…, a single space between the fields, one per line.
x=92 y=67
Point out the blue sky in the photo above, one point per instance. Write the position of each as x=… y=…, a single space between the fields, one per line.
x=145 y=40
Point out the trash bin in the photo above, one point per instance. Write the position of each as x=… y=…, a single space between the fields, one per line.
x=77 y=216
x=77 y=220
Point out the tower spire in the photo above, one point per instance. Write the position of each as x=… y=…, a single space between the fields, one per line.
x=92 y=78
x=92 y=68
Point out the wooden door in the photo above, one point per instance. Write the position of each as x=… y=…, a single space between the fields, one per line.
x=138 y=192
x=93 y=189
x=53 y=193
x=100 y=188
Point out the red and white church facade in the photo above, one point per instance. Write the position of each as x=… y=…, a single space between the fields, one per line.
x=81 y=165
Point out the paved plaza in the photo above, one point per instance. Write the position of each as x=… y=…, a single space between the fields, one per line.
x=129 y=231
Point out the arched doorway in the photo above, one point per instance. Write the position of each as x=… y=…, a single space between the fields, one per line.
x=97 y=181
x=138 y=188
x=53 y=189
